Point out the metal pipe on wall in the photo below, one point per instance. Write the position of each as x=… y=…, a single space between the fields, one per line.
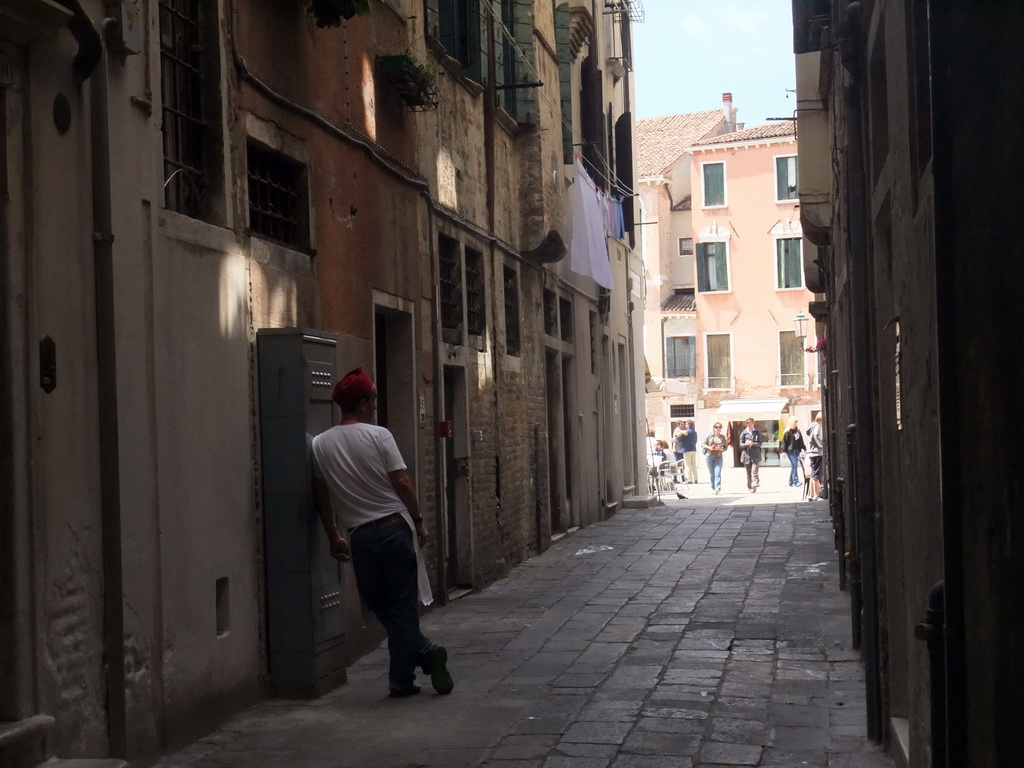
x=864 y=491
x=944 y=32
x=106 y=379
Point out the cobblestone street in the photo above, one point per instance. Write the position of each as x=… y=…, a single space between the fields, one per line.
x=701 y=633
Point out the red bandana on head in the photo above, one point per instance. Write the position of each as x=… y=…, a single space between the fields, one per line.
x=352 y=388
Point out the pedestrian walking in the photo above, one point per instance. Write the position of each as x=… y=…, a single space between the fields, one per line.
x=793 y=445
x=714 y=449
x=690 y=451
x=750 y=442
x=815 y=454
x=677 y=441
x=360 y=479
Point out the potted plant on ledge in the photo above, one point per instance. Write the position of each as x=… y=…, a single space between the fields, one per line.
x=413 y=81
x=329 y=13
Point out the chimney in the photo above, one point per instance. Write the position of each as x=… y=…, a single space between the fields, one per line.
x=728 y=113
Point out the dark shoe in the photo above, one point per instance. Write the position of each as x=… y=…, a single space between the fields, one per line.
x=400 y=693
x=440 y=677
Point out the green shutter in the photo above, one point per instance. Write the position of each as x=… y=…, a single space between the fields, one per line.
x=722 y=267
x=714 y=184
x=446 y=25
x=781 y=180
x=789 y=263
x=525 y=99
x=564 y=77
x=702 y=267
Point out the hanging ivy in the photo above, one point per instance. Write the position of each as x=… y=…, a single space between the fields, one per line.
x=329 y=13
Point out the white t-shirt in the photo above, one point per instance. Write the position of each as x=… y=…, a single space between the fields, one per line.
x=355 y=461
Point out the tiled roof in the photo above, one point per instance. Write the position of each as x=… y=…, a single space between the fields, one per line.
x=683 y=205
x=769 y=131
x=680 y=301
x=661 y=140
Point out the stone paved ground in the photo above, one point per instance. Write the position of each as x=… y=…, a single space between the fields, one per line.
x=704 y=633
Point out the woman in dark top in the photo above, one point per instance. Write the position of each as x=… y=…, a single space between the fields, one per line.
x=793 y=446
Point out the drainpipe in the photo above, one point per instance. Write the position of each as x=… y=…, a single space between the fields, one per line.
x=864 y=490
x=440 y=506
x=944 y=40
x=851 y=554
x=932 y=631
x=106 y=364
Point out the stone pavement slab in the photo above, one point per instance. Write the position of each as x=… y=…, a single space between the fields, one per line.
x=700 y=633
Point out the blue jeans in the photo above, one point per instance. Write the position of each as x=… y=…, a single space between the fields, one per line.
x=794 y=460
x=384 y=560
x=715 y=470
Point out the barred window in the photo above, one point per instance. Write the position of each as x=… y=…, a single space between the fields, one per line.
x=278 y=205
x=511 y=311
x=684 y=411
x=565 y=314
x=451 y=289
x=475 y=302
x=550 y=313
x=185 y=54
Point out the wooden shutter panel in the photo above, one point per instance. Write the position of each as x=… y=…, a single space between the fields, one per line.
x=564 y=78
x=714 y=184
x=722 y=267
x=445 y=23
x=702 y=267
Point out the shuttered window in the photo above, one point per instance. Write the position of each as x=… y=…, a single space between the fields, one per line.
x=564 y=51
x=791 y=359
x=785 y=178
x=719 y=361
x=714 y=184
x=712 y=267
x=788 y=263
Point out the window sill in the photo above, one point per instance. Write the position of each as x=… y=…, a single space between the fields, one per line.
x=714 y=293
x=506 y=121
x=794 y=288
x=453 y=66
x=277 y=256
x=714 y=207
x=178 y=226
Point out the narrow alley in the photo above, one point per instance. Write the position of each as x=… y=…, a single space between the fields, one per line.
x=702 y=633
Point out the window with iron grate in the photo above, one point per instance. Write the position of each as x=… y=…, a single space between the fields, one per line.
x=511 y=312
x=565 y=315
x=550 y=313
x=684 y=411
x=450 y=263
x=278 y=199
x=188 y=93
x=475 y=302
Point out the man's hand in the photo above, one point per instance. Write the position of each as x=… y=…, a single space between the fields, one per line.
x=421 y=533
x=340 y=549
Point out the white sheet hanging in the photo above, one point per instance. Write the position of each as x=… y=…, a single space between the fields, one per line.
x=588 y=244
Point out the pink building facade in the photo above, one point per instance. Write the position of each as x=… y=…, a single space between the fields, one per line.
x=748 y=263
x=724 y=256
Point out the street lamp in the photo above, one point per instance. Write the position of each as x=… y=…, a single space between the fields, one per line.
x=800 y=321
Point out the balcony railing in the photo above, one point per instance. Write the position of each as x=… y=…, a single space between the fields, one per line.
x=719 y=382
x=796 y=380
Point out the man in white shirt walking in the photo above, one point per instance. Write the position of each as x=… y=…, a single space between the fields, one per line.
x=360 y=478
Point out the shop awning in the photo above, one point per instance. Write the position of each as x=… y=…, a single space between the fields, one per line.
x=741 y=408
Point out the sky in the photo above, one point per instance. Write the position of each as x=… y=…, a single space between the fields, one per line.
x=687 y=53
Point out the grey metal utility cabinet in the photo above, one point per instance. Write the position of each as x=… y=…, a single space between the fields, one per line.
x=305 y=603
